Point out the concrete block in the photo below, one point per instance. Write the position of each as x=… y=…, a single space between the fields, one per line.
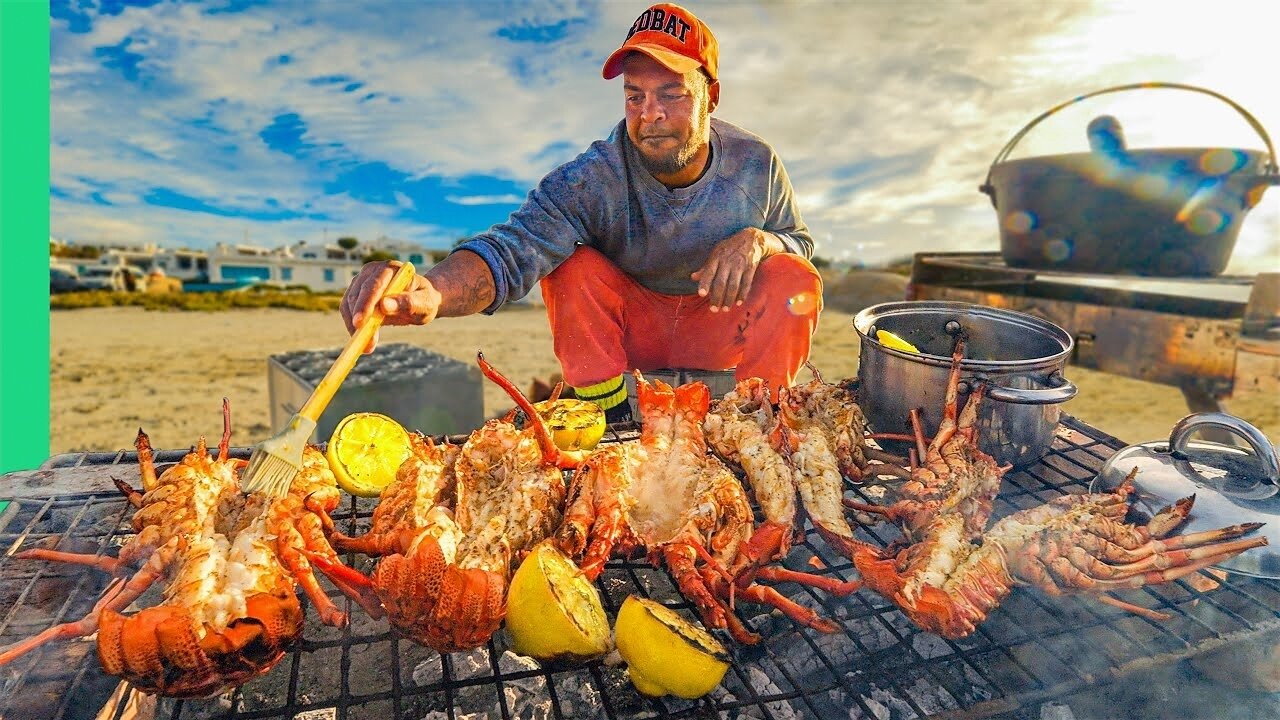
x=421 y=390
x=718 y=382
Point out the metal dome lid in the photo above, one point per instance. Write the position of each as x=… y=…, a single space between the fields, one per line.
x=1231 y=484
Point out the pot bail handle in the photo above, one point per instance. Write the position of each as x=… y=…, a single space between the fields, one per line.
x=1060 y=390
x=1272 y=170
x=1262 y=448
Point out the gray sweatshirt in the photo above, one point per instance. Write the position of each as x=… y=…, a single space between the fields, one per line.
x=605 y=199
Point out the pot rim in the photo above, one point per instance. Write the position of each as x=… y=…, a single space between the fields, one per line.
x=868 y=317
x=1173 y=152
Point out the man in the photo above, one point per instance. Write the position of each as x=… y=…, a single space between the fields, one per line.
x=676 y=242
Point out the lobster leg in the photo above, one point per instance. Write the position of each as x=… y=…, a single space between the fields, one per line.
x=898 y=512
x=1158 y=558
x=368 y=544
x=321 y=512
x=1148 y=613
x=86 y=625
x=104 y=563
x=1171 y=567
x=805 y=616
x=1206 y=536
x=133 y=496
x=609 y=527
x=836 y=587
x=580 y=517
x=885 y=464
x=134 y=552
x=766 y=544
x=353 y=583
x=312 y=531
x=289 y=542
x=594 y=520
x=680 y=559
x=721 y=587
x=1168 y=519
x=117 y=597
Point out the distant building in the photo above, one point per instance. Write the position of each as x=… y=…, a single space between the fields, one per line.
x=184 y=264
x=321 y=266
x=317 y=266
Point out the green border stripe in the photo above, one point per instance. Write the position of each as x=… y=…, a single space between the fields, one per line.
x=24 y=222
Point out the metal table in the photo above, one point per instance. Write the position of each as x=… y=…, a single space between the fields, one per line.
x=1214 y=338
x=1032 y=651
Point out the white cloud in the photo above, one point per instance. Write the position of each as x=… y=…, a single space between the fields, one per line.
x=484 y=199
x=921 y=96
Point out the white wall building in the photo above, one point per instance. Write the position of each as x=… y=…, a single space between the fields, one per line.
x=319 y=266
x=184 y=264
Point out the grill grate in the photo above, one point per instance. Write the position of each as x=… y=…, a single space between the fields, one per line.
x=1031 y=650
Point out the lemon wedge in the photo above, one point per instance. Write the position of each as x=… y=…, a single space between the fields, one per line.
x=554 y=613
x=365 y=451
x=888 y=339
x=666 y=654
x=574 y=424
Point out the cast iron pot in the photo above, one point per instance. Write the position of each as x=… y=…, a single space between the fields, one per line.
x=1160 y=212
x=1018 y=356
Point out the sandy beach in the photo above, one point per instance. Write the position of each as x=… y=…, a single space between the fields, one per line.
x=115 y=369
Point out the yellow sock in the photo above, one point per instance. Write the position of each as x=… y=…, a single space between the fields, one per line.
x=607 y=394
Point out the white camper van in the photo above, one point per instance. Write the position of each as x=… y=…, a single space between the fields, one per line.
x=120 y=278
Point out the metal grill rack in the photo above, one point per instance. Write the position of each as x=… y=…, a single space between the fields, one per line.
x=1031 y=650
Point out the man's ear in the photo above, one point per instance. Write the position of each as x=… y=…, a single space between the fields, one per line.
x=713 y=95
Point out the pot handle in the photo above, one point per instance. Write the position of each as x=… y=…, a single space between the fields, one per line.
x=1060 y=390
x=1272 y=169
x=1262 y=447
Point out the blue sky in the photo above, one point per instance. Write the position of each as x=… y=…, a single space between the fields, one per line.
x=187 y=124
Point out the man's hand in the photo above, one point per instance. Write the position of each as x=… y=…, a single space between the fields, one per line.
x=416 y=306
x=726 y=277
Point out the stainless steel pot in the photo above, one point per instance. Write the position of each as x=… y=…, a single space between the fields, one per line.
x=1020 y=358
x=1154 y=211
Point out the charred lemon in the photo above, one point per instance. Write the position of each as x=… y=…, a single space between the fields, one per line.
x=666 y=654
x=554 y=613
x=574 y=424
x=364 y=452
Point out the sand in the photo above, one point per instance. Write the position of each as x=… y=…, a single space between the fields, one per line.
x=116 y=369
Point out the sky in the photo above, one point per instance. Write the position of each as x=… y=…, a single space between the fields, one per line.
x=272 y=123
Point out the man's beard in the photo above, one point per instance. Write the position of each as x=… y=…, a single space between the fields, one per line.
x=679 y=158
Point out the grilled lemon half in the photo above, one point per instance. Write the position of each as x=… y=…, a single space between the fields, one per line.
x=554 y=613
x=666 y=654
x=365 y=451
x=574 y=424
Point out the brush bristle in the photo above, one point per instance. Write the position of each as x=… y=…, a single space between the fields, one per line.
x=268 y=473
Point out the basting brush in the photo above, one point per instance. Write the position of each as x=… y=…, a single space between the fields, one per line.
x=277 y=460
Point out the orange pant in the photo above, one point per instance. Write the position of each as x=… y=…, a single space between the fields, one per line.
x=604 y=323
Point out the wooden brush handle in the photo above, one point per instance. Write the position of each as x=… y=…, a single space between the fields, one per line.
x=332 y=380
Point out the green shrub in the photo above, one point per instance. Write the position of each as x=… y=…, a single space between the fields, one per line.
x=200 y=302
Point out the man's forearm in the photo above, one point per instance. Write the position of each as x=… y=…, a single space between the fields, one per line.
x=464 y=282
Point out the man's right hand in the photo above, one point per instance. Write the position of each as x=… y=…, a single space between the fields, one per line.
x=416 y=306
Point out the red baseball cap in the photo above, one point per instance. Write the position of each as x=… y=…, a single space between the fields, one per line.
x=671 y=35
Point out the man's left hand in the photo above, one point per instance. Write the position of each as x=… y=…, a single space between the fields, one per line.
x=725 y=279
